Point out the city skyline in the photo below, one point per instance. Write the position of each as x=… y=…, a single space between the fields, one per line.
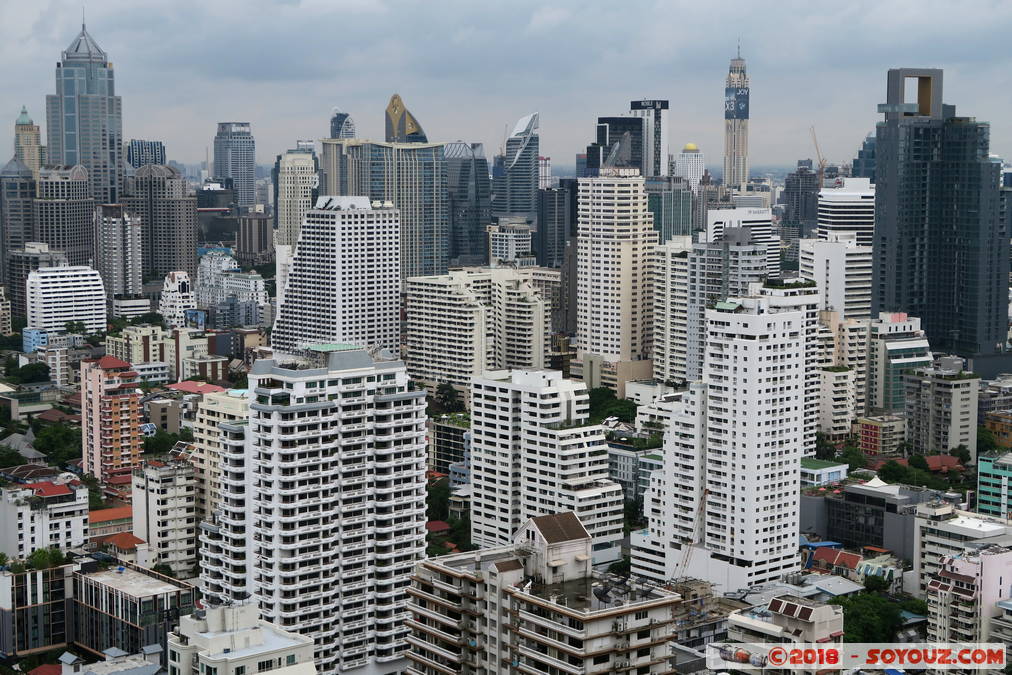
x=496 y=59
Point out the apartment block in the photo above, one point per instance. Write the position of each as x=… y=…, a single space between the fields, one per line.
x=163 y=497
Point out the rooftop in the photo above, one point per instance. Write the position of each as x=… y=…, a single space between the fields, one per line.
x=598 y=593
x=135 y=584
x=195 y=387
x=817 y=464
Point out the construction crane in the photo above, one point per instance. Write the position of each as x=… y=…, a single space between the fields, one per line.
x=822 y=160
x=687 y=547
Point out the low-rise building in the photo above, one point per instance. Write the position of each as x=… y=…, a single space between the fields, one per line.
x=234 y=640
x=447 y=441
x=881 y=434
x=504 y=609
x=994 y=472
x=105 y=522
x=816 y=472
x=163 y=498
x=42 y=515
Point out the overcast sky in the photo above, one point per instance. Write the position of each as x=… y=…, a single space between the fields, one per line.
x=468 y=69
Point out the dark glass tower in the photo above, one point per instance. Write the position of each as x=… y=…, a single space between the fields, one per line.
x=84 y=117
x=612 y=130
x=341 y=125
x=515 y=182
x=864 y=163
x=470 y=203
x=941 y=250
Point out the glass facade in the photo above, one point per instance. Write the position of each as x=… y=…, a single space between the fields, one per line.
x=470 y=204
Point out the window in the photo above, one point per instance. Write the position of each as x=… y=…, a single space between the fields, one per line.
x=240 y=670
x=641 y=615
x=290 y=660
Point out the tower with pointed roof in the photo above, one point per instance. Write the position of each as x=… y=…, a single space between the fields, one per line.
x=401 y=125
x=84 y=118
x=736 y=93
x=28 y=143
x=515 y=184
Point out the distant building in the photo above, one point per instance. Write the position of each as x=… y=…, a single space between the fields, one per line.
x=941 y=408
x=118 y=250
x=64 y=211
x=510 y=241
x=446 y=441
x=654 y=113
x=515 y=188
x=17 y=201
x=254 y=240
x=736 y=114
x=235 y=158
x=690 y=165
x=882 y=434
x=161 y=198
x=470 y=205
x=669 y=199
x=758 y=223
x=176 y=298
x=341 y=125
x=842 y=269
x=800 y=196
x=56 y=296
x=896 y=344
x=863 y=165
x=296 y=179
x=140 y=153
x=401 y=125
x=848 y=207
x=555 y=213
x=28 y=148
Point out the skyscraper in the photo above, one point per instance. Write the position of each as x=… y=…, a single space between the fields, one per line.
x=84 y=118
x=470 y=202
x=343 y=283
x=63 y=213
x=628 y=131
x=850 y=207
x=296 y=177
x=17 y=194
x=669 y=198
x=864 y=163
x=341 y=124
x=141 y=152
x=401 y=125
x=736 y=94
x=554 y=215
x=941 y=250
x=800 y=196
x=655 y=135
x=759 y=223
x=413 y=177
x=235 y=158
x=690 y=165
x=515 y=189
x=28 y=143
x=118 y=249
x=616 y=235
x=168 y=212
x=20 y=263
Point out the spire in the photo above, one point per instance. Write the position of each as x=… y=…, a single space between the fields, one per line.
x=739 y=46
x=84 y=47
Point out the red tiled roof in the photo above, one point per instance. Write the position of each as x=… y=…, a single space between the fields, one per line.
x=48 y=489
x=194 y=387
x=118 y=480
x=936 y=463
x=835 y=556
x=46 y=669
x=52 y=415
x=114 y=513
x=108 y=362
x=436 y=526
x=124 y=541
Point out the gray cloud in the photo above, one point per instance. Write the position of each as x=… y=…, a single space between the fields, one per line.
x=468 y=70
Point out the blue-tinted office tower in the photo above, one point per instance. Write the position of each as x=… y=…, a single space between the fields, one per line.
x=341 y=125
x=141 y=153
x=85 y=118
x=555 y=213
x=941 y=250
x=515 y=180
x=470 y=204
x=864 y=164
x=235 y=158
x=669 y=199
x=413 y=177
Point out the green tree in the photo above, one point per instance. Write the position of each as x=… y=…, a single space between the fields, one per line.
x=95 y=500
x=891 y=472
x=824 y=449
x=622 y=567
x=986 y=441
x=875 y=584
x=962 y=453
x=60 y=443
x=437 y=500
x=163 y=568
x=153 y=318
x=75 y=327
x=161 y=442
x=11 y=367
x=10 y=457
x=869 y=617
x=854 y=458
x=604 y=403
x=34 y=372
x=448 y=397
x=918 y=462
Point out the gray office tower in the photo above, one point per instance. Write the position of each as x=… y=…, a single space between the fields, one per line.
x=864 y=163
x=17 y=191
x=85 y=118
x=470 y=203
x=160 y=196
x=555 y=211
x=515 y=186
x=341 y=124
x=235 y=158
x=140 y=153
x=800 y=196
x=63 y=213
x=941 y=250
x=412 y=176
x=669 y=198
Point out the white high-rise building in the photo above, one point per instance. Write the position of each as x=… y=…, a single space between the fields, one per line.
x=850 y=207
x=510 y=241
x=297 y=179
x=322 y=511
x=118 y=249
x=212 y=265
x=613 y=307
x=724 y=507
x=841 y=268
x=759 y=223
x=843 y=371
x=475 y=319
x=533 y=453
x=654 y=113
x=163 y=497
x=177 y=297
x=690 y=165
x=671 y=308
x=718 y=270
x=57 y=296
x=344 y=278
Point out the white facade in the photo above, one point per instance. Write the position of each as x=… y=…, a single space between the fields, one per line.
x=163 y=497
x=964 y=594
x=941 y=408
x=230 y=407
x=210 y=269
x=788 y=619
x=57 y=296
x=533 y=453
x=41 y=515
x=298 y=177
x=759 y=223
x=118 y=249
x=690 y=165
x=322 y=509
x=896 y=344
x=842 y=270
x=850 y=207
x=614 y=243
x=127 y=308
x=177 y=297
x=509 y=241
x=725 y=506
x=58 y=360
x=233 y=640
x=942 y=531
x=468 y=321
x=343 y=282
x=655 y=135
x=670 y=279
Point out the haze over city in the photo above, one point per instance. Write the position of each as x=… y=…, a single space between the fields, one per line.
x=468 y=70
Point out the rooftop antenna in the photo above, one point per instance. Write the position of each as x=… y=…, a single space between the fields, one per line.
x=739 y=46
x=82 y=16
